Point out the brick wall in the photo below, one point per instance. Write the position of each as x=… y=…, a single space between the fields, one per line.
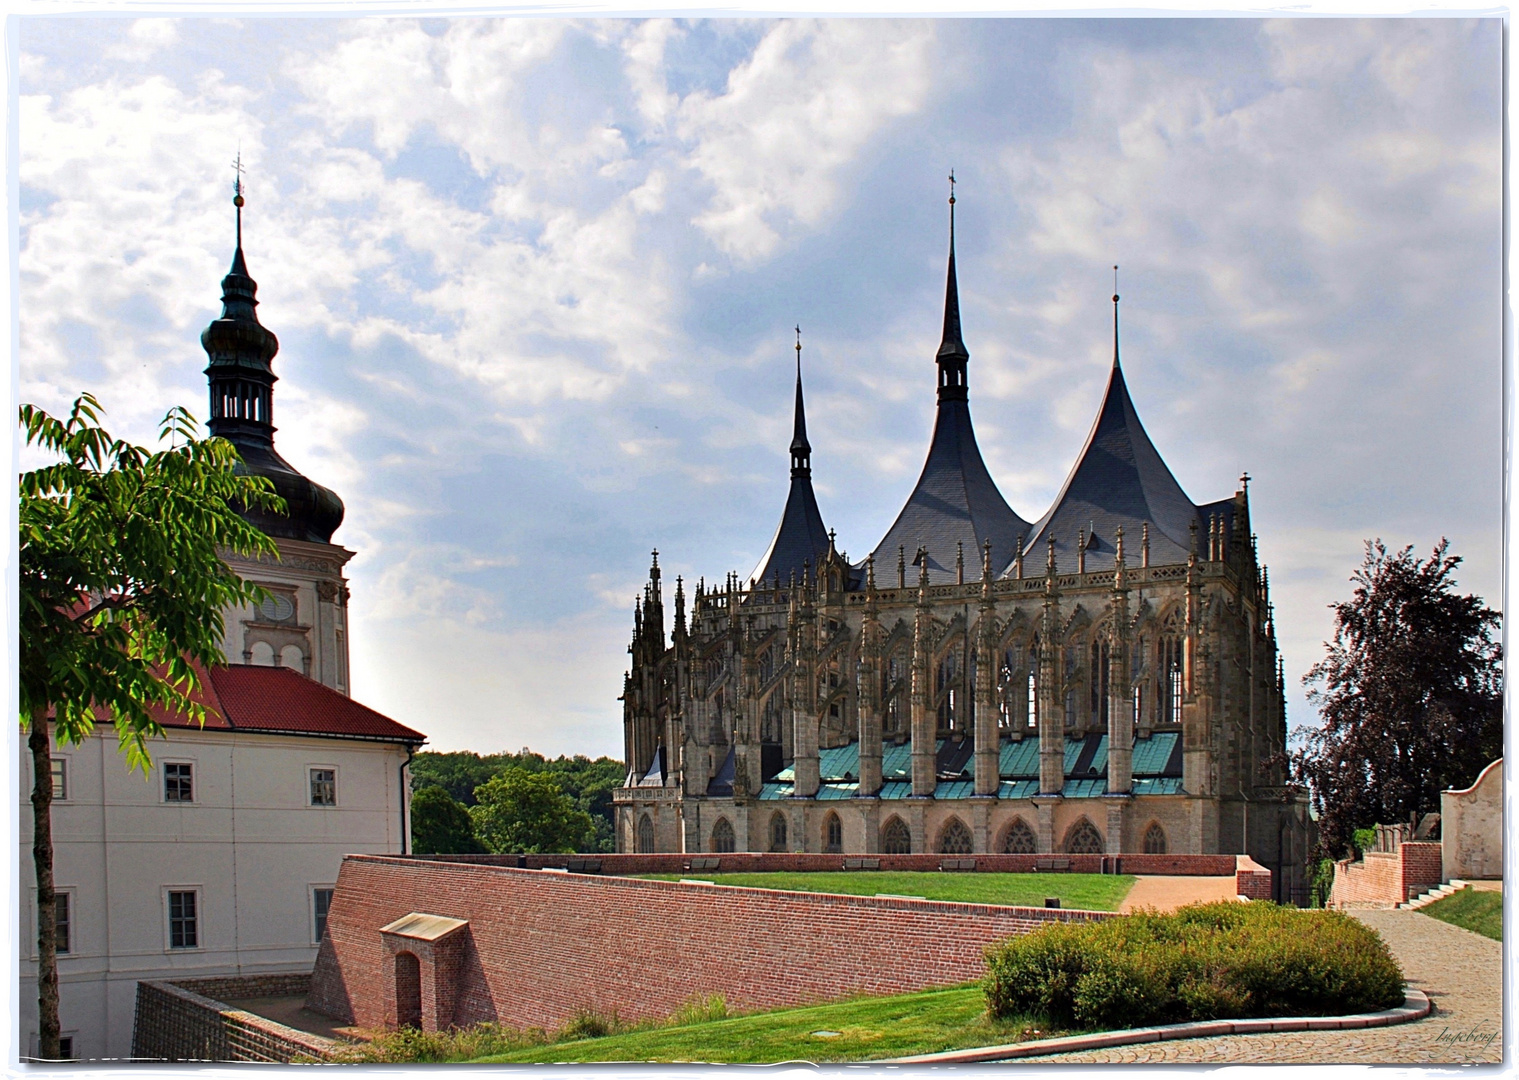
x=541 y=946
x=755 y=862
x=185 y=1021
x=1251 y=879
x=1385 y=879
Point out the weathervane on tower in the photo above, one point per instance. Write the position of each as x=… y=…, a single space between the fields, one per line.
x=237 y=192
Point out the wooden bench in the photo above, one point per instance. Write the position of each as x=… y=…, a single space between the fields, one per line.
x=957 y=864
x=705 y=862
x=1052 y=864
x=862 y=864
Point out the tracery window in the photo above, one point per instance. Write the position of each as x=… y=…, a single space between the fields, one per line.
x=1169 y=690
x=767 y=665
x=1020 y=839
x=955 y=839
x=895 y=838
x=894 y=693
x=722 y=836
x=1155 y=839
x=948 y=695
x=833 y=835
x=770 y=718
x=1083 y=839
x=778 y=831
x=645 y=835
x=1007 y=687
x=1099 y=681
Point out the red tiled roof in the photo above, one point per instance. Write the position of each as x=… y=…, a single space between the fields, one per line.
x=251 y=698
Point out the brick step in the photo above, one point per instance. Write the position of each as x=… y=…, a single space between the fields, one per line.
x=1439 y=892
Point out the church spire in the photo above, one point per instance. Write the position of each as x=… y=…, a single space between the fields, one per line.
x=1115 y=316
x=953 y=355
x=801 y=449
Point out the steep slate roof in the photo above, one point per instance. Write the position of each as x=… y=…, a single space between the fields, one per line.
x=955 y=505
x=281 y=701
x=1119 y=479
x=801 y=537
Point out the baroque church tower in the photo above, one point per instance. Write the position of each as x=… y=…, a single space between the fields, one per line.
x=1104 y=680
x=303 y=623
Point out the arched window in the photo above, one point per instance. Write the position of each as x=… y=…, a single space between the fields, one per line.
x=645 y=835
x=1099 y=681
x=833 y=835
x=894 y=693
x=1083 y=839
x=1155 y=839
x=948 y=699
x=1020 y=839
x=955 y=839
x=1168 y=656
x=767 y=665
x=770 y=718
x=722 y=836
x=778 y=831
x=895 y=839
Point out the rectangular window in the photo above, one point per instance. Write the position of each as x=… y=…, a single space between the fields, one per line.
x=65 y=1048
x=61 y=921
x=60 y=778
x=324 y=787
x=321 y=902
x=178 y=783
x=183 y=929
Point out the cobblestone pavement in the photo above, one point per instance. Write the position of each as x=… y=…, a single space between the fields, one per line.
x=1462 y=973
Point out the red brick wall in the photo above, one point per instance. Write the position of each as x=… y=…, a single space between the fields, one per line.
x=1386 y=879
x=541 y=946
x=752 y=862
x=1251 y=879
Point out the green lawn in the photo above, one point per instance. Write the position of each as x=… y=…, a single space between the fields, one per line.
x=854 y=1030
x=1089 y=892
x=1479 y=912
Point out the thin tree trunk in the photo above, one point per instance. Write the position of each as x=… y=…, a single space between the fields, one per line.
x=42 y=856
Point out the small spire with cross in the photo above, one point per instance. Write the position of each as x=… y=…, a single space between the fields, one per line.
x=237 y=192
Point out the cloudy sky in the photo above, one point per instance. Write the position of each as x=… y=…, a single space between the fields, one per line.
x=535 y=283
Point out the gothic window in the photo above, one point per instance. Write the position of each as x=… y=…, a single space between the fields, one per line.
x=833 y=835
x=767 y=666
x=1099 y=682
x=1007 y=686
x=1169 y=650
x=895 y=839
x=949 y=696
x=770 y=718
x=894 y=693
x=1155 y=839
x=645 y=835
x=1020 y=839
x=955 y=839
x=714 y=669
x=722 y=836
x=778 y=831
x=1083 y=839
x=1033 y=682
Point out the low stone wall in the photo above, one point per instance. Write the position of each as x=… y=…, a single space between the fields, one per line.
x=185 y=1020
x=1385 y=879
x=540 y=946
x=762 y=862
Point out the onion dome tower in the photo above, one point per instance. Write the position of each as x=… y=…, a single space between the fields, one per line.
x=242 y=406
x=1120 y=481
x=956 y=505
x=801 y=539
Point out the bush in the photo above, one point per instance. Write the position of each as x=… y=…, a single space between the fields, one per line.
x=701 y=1010
x=590 y=1024
x=1205 y=962
x=459 y=1044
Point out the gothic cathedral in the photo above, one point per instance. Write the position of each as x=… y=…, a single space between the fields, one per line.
x=1103 y=680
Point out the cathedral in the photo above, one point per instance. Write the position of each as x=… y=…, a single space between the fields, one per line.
x=1102 y=680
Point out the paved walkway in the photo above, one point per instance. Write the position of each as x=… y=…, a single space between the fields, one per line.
x=1170 y=893
x=1462 y=973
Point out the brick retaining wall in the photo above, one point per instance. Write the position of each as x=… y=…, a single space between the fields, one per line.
x=185 y=1021
x=762 y=862
x=1384 y=879
x=541 y=946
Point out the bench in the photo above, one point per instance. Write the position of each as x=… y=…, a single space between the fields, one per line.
x=957 y=864
x=862 y=864
x=583 y=866
x=1052 y=864
x=705 y=862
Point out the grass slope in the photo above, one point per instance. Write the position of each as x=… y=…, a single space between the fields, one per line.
x=1089 y=892
x=855 y=1030
x=1479 y=912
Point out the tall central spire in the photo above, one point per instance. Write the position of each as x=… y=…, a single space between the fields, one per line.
x=1115 y=316
x=801 y=449
x=953 y=355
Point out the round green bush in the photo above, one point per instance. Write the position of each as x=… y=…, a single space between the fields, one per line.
x=1204 y=962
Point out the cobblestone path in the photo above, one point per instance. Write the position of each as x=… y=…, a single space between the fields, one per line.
x=1462 y=973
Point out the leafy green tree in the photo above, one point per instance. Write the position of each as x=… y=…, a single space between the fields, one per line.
x=440 y=825
x=1410 y=694
x=121 y=595
x=527 y=812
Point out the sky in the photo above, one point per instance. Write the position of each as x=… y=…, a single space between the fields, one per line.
x=535 y=283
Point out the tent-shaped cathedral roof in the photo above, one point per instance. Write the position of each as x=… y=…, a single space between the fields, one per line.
x=801 y=539
x=955 y=507
x=1118 y=480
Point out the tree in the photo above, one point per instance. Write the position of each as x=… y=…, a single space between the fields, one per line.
x=522 y=811
x=440 y=825
x=122 y=590
x=1410 y=694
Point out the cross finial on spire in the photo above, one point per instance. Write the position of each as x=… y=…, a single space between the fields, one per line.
x=799 y=351
x=1115 y=315
x=237 y=192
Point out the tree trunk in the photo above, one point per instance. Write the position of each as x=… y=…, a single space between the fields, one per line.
x=42 y=857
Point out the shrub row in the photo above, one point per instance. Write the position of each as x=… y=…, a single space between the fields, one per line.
x=1204 y=962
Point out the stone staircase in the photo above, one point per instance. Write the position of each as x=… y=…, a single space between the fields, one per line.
x=1439 y=892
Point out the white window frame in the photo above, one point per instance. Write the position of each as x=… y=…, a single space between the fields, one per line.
x=313 y=767
x=70 y=891
x=61 y=779
x=311 y=891
x=200 y=919
x=163 y=781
